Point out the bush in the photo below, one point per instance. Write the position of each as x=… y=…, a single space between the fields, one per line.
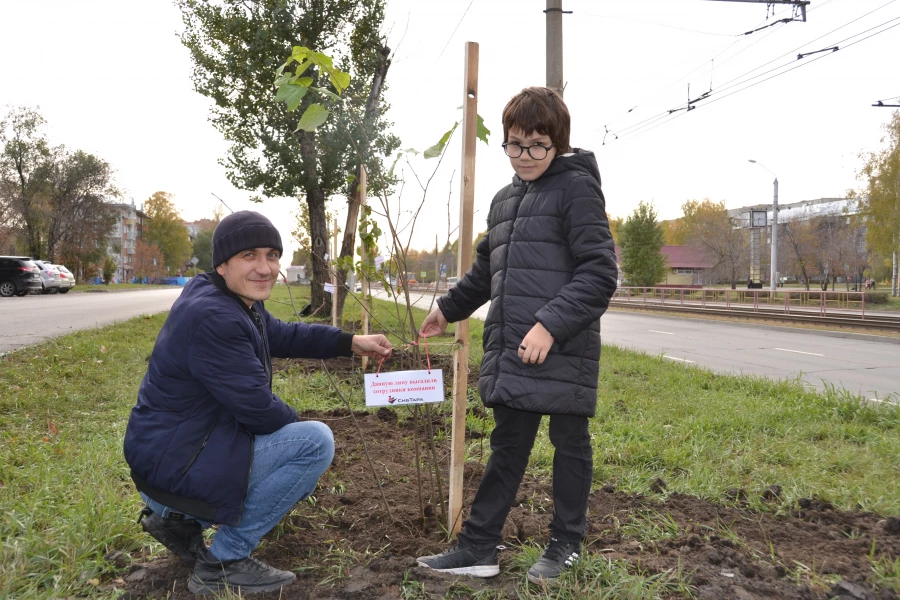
x=876 y=298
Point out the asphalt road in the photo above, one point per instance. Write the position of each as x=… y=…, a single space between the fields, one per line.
x=867 y=368
x=33 y=319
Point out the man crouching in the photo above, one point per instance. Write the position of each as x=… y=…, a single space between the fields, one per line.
x=208 y=442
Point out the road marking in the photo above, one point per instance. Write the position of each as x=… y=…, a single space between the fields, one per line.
x=798 y=352
x=678 y=359
x=662 y=332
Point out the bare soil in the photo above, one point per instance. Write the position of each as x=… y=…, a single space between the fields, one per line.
x=727 y=551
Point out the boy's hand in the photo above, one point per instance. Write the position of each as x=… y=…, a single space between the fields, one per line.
x=434 y=324
x=536 y=345
x=373 y=346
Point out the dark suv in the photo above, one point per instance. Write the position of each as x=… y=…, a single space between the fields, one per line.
x=18 y=275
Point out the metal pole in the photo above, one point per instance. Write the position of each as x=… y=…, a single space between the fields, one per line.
x=774 y=276
x=554 y=46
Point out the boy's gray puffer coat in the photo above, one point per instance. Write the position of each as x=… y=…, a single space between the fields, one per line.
x=549 y=258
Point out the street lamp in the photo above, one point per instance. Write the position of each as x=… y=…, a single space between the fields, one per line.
x=774 y=274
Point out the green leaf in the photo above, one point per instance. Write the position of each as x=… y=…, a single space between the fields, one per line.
x=304 y=81
x=315 y=115
x=302 y=67
x=340 y=80
x=292 y=94
x=326 y=93
x=436 y=150
x=482 y=132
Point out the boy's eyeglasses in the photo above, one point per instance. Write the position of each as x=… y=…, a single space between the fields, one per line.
x=535 y=151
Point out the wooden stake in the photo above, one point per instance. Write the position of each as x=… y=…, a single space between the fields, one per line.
x=364 y=254
x=464 y=262
x=334 y=279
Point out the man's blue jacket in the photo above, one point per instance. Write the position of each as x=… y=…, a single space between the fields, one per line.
x=207 y=392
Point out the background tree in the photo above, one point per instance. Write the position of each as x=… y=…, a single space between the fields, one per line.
x=675 y=232
x=108 y=269
x=78 y=187
x=202 y=245
x=303 y=254
x=24 y=165
x=236 y=46
x=798 y=238
x=615 y=224
x=54 y=198
x=881 y=174
x=166 y=229
x=708 y=225
x=149 y=261
x=640 y=239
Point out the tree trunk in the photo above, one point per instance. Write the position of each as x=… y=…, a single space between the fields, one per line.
x=895 y=276
x=348 y=245
x=318 y=228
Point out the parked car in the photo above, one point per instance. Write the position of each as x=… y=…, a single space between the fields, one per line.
x=49 y=277
x=451 y=281
x=18 y=276
x=66 y=279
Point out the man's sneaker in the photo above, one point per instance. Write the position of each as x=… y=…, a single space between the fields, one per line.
x=247 y=576
x=557 y=557
x=463 y=561
x=183 y=537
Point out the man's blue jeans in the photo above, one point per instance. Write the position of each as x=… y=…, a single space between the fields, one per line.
x=286 y=467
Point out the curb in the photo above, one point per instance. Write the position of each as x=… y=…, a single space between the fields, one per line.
x=865 y=337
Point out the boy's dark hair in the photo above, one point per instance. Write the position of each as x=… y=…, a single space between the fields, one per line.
x=542 y=110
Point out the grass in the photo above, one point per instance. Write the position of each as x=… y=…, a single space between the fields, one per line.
x=68 y=501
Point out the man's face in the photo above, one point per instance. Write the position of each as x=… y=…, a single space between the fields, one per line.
x=251 y=274
x=527 y=168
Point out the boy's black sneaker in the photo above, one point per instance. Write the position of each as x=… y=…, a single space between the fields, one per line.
x=184 y=538
x=557 y=557
x=463 y=561
x=247 y=576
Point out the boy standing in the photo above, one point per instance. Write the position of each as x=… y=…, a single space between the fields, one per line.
x=548 y=267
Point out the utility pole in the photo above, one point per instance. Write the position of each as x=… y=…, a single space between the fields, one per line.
x=774 y=276
x=554 y=14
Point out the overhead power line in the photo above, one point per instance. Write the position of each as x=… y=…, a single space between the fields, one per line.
x=740 y=80
x=649 y=126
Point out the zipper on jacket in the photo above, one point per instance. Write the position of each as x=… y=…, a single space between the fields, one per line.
x=200 y=449
x=503 y=288
x=257 y=319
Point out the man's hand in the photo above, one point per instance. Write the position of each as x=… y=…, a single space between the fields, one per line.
x=373 y=346
x=536 y=345
x=434 y=324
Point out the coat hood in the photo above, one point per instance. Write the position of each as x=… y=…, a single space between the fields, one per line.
x=579 y=160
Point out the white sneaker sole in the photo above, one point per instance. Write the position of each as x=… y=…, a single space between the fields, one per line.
x=476 y=571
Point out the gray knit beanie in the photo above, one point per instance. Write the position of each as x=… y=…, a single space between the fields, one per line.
x=240 y=231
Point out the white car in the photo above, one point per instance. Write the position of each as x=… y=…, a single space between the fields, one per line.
x=66 y=279
x=49 y=277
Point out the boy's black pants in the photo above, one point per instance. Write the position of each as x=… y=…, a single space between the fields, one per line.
x=511 y=443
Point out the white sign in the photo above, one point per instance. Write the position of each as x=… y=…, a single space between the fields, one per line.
x=400 y=388
x=379 y=260
x=329 y=288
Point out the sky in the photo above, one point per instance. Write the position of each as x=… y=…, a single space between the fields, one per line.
x=113 y=79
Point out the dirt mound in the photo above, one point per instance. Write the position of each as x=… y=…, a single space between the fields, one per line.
x=343 y=545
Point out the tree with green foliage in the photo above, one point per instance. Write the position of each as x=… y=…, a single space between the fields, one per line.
x=108 y=268
x=203 y=249
x=56 y=198
x=166 y=229
x=881 y=202
x=236 y=47
x=641 y=239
